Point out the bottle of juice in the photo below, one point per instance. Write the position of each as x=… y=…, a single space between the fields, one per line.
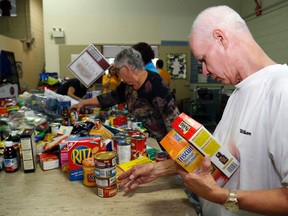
x=10 y=157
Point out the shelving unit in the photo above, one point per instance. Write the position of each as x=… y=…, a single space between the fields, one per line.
x=206 y=108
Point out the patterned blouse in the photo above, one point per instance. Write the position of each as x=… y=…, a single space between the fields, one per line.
x=153 y=104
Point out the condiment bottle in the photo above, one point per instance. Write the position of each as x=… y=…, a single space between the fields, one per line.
x=10 y=157
x=89 y=172
x=65 y=114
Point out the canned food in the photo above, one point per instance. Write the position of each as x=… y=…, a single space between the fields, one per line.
x=106 y=182
x=123 y=151
x=106 y=192
x=105 y=172
x=54 y=128
x=105 y=159
x=131 y=131
x=138 y=146
x=161 y=156
x=118 y=138
x=88 y=172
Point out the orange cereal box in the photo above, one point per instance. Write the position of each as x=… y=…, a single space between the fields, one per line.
x=186 y=155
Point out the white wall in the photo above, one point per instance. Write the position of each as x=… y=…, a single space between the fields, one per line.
x=270 y=29
x=119 y=22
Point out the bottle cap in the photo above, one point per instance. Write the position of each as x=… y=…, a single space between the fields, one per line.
x=8 y=143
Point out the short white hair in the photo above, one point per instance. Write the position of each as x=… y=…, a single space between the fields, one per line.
x=217 y=17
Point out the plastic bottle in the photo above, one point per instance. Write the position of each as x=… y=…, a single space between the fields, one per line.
x=65 y=114
x=10 y=157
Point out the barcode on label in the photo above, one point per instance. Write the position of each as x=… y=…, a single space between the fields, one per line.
x=100 y=192
x=232 y=167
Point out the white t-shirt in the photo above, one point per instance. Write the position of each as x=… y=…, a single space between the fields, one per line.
x=254 y=128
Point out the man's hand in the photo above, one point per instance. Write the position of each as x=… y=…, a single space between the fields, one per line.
x=137 y=175
x=203 y=184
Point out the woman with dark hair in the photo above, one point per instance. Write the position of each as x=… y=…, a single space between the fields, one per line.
x=147 y=54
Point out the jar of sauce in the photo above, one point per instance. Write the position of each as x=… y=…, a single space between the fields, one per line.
x=89 y=172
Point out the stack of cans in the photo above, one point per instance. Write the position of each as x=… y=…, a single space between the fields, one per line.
x=105 y=174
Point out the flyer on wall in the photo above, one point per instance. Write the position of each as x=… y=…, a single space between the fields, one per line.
x=89 y=65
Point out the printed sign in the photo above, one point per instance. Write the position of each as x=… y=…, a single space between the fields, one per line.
x=89 y=65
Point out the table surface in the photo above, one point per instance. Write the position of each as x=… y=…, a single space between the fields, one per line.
x=52 y=193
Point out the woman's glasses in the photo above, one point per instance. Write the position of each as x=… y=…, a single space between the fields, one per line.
x=117 y=70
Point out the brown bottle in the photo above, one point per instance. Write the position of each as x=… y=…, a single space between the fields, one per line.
x=10 y=157
x=65 y=114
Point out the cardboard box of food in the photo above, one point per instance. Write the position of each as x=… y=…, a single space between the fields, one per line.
x=189 y=157
x=75 y=151
x=200 y=138
x=28 y=145
x=128 y=165
x=48 y=161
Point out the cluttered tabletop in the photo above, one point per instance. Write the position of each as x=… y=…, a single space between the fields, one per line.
x=51 y=192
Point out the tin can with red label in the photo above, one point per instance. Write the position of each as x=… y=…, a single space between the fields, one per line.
x=131 y=131
x=106 y=192
x=138 y=146
x=105 y=159
x=106 y=182
x=161 y=156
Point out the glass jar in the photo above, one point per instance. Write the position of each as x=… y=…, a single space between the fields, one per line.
x=89 y=172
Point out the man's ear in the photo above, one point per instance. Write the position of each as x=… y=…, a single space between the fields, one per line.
x=220 y=36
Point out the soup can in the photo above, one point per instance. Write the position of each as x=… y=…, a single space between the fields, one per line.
x=106 y=192
x=161 y=156
x=105 y=172
x=138 y=146
x=106 y=182
x=105 y=159
x=123 y=151
x=54 y=128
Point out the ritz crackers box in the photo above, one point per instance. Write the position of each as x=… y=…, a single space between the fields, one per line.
x=75 y=150
x=189 y=141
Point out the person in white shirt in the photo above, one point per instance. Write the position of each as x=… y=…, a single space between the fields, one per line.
x=253 y=127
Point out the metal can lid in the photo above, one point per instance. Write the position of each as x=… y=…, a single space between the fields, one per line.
x=162 y=153
x=138 y=137
x=104 y=155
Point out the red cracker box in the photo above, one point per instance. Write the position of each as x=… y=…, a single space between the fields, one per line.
x=206 y=143
x=188 y=156
x=75 y=151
